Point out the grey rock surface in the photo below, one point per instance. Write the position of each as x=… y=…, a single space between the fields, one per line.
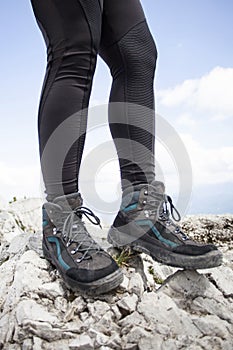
x=156 y=307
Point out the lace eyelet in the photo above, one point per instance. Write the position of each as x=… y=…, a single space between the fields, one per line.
x=145 y=193
x=73 y=252
x=68 y=243
x=144 y=202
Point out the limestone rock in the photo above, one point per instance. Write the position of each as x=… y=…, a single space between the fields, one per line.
x=29 y=310
x=82 y=342
x=136 y=284
x=152 y=342
x=127 y=304
x=135 y=335
x=156 y=306
x=98 y=309
x=221 y=277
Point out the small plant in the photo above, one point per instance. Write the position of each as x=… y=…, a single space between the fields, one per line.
x=151 y=270
x=123 y=257
x=13 y=200
x=20 y=224
x=157 y=279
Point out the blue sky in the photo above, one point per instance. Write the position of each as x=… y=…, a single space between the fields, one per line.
x=194 y=92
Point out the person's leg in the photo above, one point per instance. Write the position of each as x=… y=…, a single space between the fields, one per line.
x=72 y=30
x=144 y=221
x=129 y=50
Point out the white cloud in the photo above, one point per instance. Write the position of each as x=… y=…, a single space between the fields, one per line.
x=19 y=181
x=210 y=165
x=212 y=93
x=176 y=96
x=219 y=117
x=185 y=119
x=203 y=112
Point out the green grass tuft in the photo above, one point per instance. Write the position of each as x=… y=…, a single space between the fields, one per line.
x=157 y=279
x=123 y=257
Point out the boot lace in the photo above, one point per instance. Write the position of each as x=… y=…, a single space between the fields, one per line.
x=73 y=230
x=165 y=216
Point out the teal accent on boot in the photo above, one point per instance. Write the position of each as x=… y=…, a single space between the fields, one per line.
x=156 y=232
x=61 y=261
x=130 y=207
x=45 y=223
x=130 y=200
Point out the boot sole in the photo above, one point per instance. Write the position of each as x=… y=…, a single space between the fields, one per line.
x=93 y=288
x=188 y=262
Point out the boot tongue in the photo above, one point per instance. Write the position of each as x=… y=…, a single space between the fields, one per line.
x=158 y=187
x=69 y=202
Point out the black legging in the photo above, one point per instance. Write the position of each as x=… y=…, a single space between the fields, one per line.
x=75 y=31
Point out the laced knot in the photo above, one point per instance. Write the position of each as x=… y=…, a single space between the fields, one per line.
x=164 y=215
x=74 y=231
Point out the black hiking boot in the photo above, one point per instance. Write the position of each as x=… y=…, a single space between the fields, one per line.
x=83 y=265
x=144 y=224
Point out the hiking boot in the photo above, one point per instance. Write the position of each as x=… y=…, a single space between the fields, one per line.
x=143 y=223
x=83 y=265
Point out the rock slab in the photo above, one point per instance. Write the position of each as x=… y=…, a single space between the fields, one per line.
x=156 y=307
